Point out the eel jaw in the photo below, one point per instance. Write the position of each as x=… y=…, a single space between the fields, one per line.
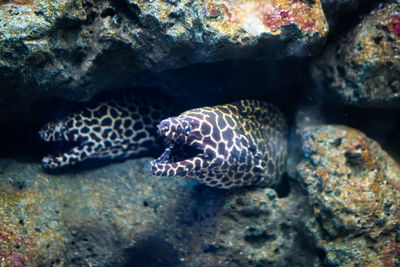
x=50 y=162
x=175 y=156
x=53 y=132
x=65 y=142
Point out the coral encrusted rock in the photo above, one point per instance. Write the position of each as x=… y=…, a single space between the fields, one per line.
x=353 y=186
x=74 y=49
x=363 y=68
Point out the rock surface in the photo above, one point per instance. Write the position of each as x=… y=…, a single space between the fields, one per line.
x=364 y=67
x=73 y=49
x=117 y=214
x=252 y=228
x=82 y=218
x=354 y=188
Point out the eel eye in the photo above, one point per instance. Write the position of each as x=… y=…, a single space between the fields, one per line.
x=187 y=130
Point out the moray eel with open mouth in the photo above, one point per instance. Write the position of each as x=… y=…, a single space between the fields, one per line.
x=225 y=146
x=113 y=128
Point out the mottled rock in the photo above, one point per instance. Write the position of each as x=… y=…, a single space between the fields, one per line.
x=353 y=186
x=81 y=218
x=118 y=214
x=251 y=228
x=364 y=67
x=73 y=49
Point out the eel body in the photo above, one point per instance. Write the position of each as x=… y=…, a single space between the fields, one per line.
x=113 y=128
x=225 y=146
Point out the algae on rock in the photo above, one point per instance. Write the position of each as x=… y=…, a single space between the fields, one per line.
x=75 y=49
x=353 y=186
x=363 y=68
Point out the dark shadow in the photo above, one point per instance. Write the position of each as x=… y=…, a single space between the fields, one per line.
x=283 y=188
x=151 y=252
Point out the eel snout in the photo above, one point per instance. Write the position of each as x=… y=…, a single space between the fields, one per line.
x=181 y=152
x=53 y=132
x=56 y=132
x=49 y=162
x=174 y=130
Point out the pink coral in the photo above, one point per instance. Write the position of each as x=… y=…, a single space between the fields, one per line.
x=396 y=25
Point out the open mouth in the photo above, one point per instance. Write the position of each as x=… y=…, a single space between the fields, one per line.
x=56 y=149
x=175 y=153
x=60 y=147
x=59 y=142
x=56 y=146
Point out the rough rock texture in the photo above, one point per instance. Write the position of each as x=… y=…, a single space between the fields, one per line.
x=73 y=49
x=119 y=214
x=354 y=189
x=364 y=67
x=83 y=218
x=250 y=228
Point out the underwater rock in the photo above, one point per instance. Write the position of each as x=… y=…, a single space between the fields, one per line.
x=251 y=228
x=74 y=49
x=81 y=218
x=353 y=186
x=364 y=68
x=117 y=215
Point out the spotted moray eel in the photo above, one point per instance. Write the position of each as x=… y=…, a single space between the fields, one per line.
x=112 y=128
x=225 y=146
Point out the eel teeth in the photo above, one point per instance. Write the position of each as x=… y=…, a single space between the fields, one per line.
x=165 y=155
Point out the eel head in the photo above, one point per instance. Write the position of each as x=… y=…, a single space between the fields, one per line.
x=59 y=132
x=53 y=132
x=186 y=149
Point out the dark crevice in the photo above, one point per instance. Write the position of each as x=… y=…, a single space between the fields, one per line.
x=211 y=249
x=152 y=252
x=131 y=11
x=354 y=160
x=91 y=16
x=258 y=240
x=283 y=188
x=108 y=12
x=345 y=16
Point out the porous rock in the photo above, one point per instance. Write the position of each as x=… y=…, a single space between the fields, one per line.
x=353 y=186
x=81 y=218
x=117 y=215
x=251 y=227
x=363 y=68
x=74 y=49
